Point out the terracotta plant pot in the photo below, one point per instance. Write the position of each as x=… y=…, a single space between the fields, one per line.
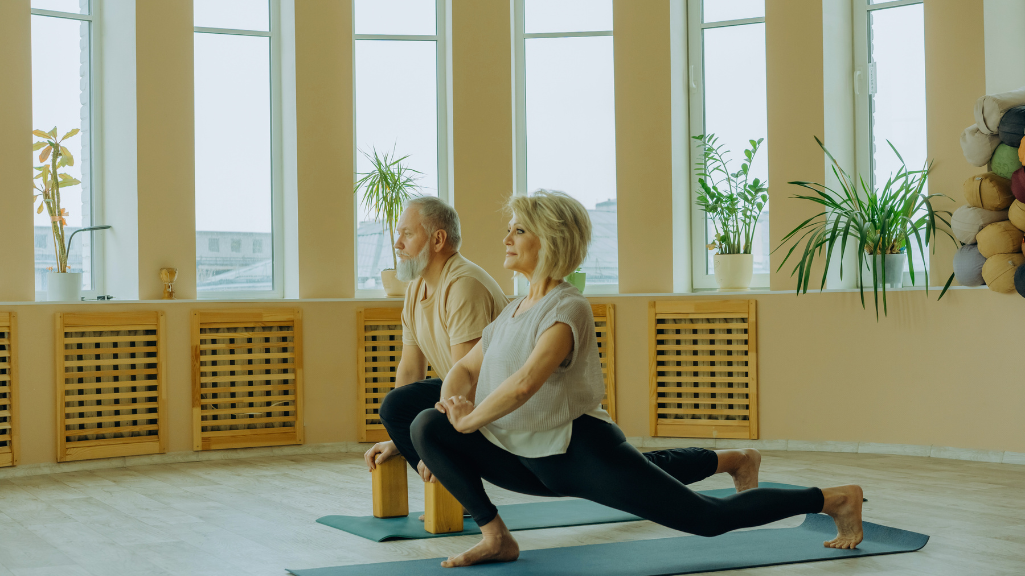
x=393 y=287
x=733 y=271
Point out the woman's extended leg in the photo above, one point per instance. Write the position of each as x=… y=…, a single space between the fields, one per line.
x=600 y=466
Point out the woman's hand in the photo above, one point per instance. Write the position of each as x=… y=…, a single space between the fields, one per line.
x=378 y=453
x=458 y=410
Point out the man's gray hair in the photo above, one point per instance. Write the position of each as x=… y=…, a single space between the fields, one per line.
x=436 y=215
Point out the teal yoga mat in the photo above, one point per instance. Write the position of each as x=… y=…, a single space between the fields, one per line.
x=662 y=556
x=550 y=514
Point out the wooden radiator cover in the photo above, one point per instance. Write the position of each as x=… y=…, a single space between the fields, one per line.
x=8 y=389
x=379 y=349
x=110 y=384
x=703 y=360
x=247 y=378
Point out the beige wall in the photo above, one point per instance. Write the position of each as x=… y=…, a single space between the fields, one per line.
x=17 y=279
x=482 y=124
x=931 y=373
x=167 y=145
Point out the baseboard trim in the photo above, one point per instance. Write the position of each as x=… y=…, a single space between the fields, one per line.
x=945 y=452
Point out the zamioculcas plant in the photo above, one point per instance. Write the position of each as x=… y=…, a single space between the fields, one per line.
x=732 y=199
x=386 y=187
x=49 y=189
x=878 y=222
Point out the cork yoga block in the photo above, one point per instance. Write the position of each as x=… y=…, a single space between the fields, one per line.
x=999 y=271
x=967 y=221
x=968 y=265
x=988 y=191
x=1016 y=214
x=999 y=238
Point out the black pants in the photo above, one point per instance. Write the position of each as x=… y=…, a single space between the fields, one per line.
x=403 y=404
x=601 y=466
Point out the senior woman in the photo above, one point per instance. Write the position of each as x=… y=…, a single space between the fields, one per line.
x=537 y=426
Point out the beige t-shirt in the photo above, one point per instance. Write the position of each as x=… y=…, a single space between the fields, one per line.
x=466 y=301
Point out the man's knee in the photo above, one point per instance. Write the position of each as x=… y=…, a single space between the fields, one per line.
x=429 y=425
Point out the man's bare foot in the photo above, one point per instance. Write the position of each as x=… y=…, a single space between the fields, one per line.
x=498 y=545
x=843 y=504
x=742 y=465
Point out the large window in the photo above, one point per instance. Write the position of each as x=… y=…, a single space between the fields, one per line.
x=238 y=195
x=566 y=117
x=62 y=98
x=889 y=50
x=726 y=46
x=400 y=109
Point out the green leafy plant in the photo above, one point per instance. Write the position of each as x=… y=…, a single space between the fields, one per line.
x=49 y=185
x=732 y=199
x=879 y=222
x=385 y=188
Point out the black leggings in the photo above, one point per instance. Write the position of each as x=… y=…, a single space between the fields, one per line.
x=403 y=404
x=601 y=466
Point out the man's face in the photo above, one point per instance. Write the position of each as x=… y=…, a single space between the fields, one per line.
x=410 y=236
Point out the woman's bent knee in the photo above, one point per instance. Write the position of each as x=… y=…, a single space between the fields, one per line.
x=429 y=425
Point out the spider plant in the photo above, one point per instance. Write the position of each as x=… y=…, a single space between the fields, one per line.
x=879 y=222
x=386 y=187
x=730 y=198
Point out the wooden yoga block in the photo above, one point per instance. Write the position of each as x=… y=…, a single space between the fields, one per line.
x=390 y=491
x=443 y=514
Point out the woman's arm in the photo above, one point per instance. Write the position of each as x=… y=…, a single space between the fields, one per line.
x=461 y=380
x=552 y=348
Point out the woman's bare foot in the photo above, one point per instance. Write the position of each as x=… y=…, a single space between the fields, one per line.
x=742 y=465
x=843 y=504
x=498 y=545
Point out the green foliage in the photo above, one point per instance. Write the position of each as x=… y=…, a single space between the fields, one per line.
x=49 y=186
x=386 y=187
x=730 y=198
x=878 y=222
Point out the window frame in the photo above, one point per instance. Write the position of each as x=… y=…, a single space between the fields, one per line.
x=520 y=36
x=700 y=255
x=863 y=70
x=277 y=244
x=440 y=38
x=96 y=214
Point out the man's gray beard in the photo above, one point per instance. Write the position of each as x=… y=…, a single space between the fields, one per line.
x=411 y=269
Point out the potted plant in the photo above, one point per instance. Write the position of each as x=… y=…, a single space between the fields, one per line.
x=386 y=187
x=880 y=223
x=734 y=202
x=61 y=285
x=578 y=279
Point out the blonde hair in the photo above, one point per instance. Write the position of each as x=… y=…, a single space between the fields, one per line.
x=563 y=226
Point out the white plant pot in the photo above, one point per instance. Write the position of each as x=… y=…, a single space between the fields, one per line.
x=64 y=286
x=393 y=287
x=733 y=271
x=894 y=270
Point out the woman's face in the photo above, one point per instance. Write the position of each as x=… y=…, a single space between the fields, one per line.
x=521 y=249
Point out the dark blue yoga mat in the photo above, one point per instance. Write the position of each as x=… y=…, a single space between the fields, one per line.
x=663 y=556
x=550 y=514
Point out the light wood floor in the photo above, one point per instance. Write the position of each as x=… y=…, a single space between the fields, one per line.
x=256 y=516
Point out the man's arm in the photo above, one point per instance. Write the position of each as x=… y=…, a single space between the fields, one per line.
x=412 y=366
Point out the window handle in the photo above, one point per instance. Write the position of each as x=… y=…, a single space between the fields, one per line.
x=857 y=82
x=693 y=85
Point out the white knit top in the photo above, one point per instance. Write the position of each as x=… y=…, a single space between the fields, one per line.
x=543 y=425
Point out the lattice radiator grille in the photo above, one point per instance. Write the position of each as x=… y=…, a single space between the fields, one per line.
x=247 y=378
x=605 y=331
x=110 y=384
x=8 y=382
x=378 y=351
x=703 y=358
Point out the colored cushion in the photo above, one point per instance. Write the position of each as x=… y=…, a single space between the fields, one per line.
x=988 y=191
x=978 y=146
x=999 y=238
x=968 y=265
x=1021 y=151
x=1012 y=126
x=967 y=221
x=1005 y=161
x=1018 y=184
x=1019 y=281
x=999 y=271
x=1016 y=215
